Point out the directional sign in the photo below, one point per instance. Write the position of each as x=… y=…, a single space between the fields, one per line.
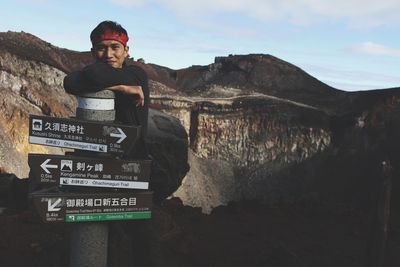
x=46 y=166
x=54 y=170
x=83 y=135
x=53 y=204
x=120 y=135
x=84 y=207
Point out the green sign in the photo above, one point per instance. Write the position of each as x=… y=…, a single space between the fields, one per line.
x=108 y=216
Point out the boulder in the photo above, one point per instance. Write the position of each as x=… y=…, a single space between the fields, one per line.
x=168 y=145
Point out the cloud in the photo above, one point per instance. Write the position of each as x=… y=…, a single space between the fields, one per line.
x=129 y=2
x=349 y=79
x=184 y=44
x=33 y=1
x=371 y=48
x=358 y=13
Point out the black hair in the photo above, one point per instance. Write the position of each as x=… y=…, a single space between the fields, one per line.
x=105 y=26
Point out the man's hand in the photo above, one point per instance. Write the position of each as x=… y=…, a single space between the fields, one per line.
x=130 y=90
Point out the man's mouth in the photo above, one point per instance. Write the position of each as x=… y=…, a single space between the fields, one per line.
x=110 y=62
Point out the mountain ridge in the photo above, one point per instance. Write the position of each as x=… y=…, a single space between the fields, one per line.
x=247 y=74
x=228 y=76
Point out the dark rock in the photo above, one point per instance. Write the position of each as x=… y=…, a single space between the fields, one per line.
x=13 y=192
x=168 y=144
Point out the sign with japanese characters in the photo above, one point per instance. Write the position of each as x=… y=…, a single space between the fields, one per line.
x=85 y=207
x=83 y=135
x=50 y=170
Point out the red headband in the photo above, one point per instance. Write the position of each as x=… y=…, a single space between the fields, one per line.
x=120 y=37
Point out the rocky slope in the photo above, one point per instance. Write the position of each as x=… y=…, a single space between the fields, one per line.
x=267 y=148
x=237 y=75
x=27 y=87
x=238 y=146
x=29 y=47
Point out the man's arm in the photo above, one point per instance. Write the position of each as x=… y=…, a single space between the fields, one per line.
x=98 y=76
x=130 y=90
x=75 y=83
x=143 y=111
x=126 y=111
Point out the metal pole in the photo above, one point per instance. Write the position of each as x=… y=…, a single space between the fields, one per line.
x=376 y=246
x=89 y=241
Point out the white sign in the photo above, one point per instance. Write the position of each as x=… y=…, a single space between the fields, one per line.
x=67 y=144
x=104 y=183
x=121 y=135
x=53 y=206
x=37 y=125
x=45 y=166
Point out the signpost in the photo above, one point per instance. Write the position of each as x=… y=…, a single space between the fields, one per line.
x=97 y=139
x=92 y=207
x=83 y=135
x=56 y=170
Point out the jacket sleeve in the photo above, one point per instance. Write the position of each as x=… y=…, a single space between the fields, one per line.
x=102 y=75
x=143 y=112
x=73 y=83
x=95 y=77
x=126 y=110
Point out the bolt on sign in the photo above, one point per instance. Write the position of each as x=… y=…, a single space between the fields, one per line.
x=90 y=207
x=54 y=170
x=83 y=135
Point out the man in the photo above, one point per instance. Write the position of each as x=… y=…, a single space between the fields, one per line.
x=130 y=83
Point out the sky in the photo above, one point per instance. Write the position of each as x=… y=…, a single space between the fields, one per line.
x=349 y=44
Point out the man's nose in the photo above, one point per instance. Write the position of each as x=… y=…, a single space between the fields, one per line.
x=109 y=53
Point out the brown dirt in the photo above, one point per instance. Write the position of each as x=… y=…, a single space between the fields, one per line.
x=242 y=234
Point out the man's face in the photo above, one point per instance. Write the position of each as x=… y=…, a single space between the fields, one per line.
x=110 y=52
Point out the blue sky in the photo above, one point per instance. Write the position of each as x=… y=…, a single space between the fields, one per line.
x=348 y=44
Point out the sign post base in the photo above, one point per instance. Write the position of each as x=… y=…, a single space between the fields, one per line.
x=88 y=242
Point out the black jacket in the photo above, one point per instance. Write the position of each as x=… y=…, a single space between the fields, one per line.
x=97 y=76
